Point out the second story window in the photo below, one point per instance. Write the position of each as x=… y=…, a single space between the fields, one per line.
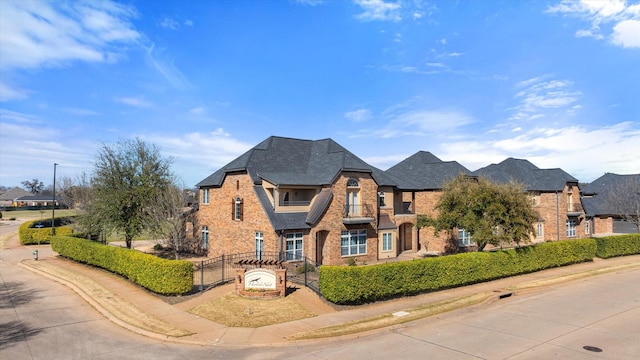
x=353 y=204
x=237 y=209
x=381 y=202
x=205 y=196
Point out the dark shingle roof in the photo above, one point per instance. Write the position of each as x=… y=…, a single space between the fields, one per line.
x=597 y=192
x=424 y=171
x=287 y=161
x=523 y=171
x=281 y=221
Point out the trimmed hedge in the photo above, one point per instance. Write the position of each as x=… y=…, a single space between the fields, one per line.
x=361 y=284
x=619 y=245
x=30 y=235
x=166 y=277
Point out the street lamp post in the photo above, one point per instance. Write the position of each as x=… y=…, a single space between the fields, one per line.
x=53 y=210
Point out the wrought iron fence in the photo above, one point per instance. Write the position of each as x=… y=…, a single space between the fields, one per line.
x=220 y=270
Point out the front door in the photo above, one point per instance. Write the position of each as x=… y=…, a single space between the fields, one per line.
x=321 y=237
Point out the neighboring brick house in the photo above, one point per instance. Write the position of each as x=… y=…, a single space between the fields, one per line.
x=554 y=194
x=299 y=198
x=603 y=216
x=421 y=178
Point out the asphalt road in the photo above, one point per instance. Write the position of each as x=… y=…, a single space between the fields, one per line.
x=41 y=319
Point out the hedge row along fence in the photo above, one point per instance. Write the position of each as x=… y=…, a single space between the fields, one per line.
x=162 y=276
x=361 y=284
x=30 y=235
x=619 y=245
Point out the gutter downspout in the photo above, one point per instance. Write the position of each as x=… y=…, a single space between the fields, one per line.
x=558 y=215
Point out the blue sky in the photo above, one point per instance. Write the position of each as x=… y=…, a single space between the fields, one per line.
x=557 y=83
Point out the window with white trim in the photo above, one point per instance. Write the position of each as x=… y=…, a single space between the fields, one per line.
x=353 y=242
x=571 y=228
x=294 y=246
x=387 y=241
x=204 y=235
x=259 y=245
x=237 y=209
x=205 y=196
x=464 y=238
x=586 y=228
x=539 y=230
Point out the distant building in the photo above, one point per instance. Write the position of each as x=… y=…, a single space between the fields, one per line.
x=603 y=217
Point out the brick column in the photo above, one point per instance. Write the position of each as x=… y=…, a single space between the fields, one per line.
x=281 y=286
x=239 y=279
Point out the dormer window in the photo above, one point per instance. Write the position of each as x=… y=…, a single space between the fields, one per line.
x=381 y=202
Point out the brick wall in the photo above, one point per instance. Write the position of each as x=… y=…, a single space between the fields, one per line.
x=226 y=235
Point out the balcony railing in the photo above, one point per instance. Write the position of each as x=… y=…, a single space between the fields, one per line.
x=357 y=214
x=294 y=203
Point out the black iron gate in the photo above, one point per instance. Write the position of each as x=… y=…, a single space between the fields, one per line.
x=220 y=270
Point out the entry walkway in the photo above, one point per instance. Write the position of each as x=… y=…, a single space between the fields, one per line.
x=142 y=312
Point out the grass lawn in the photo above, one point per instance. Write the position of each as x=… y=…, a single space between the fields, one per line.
x=237 y=311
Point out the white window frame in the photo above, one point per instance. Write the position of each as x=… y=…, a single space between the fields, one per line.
x=387 y=241
x=294 y=246
x=381 y=199
x=353 y=242
x=464 y=238
x=587 y=230
x=259 y=237
x=570 y=227
x=205 y=196
x=540 y=231
x=204 y=236
x=238 y=209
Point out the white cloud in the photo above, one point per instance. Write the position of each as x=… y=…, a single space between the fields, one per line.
x=38 y=33
x=198 y=110
x=160 y=61
x=135 y=102
x=169 y=23
x=627 y=34
x=622 y=20
x=378 y=10
x=358 y=115
x=536 y=96
x=81 y=112
x=198 y=154
x=585 y=153
x=8 y=93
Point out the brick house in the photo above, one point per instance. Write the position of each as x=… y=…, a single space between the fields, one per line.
x=555 y=195
x=603 y=217
x=421 y=178
x=299 y=198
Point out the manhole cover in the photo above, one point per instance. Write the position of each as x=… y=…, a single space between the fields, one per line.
x=592 y=348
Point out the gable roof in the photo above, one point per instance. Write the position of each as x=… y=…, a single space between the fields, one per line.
x=425 y=171
x=596 y=193
x=288 y=161
x=523 y=171
x=14 y=193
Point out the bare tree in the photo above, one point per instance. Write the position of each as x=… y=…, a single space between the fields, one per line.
x=623 y=199
x=169 y=215
x=75 y=193
x=34 y=186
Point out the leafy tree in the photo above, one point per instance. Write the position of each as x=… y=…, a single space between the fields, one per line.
x=491 y=213
x=128 y=179
x=624 y=199
x=34 y=186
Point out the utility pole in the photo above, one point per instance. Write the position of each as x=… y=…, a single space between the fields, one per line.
x=53 y=210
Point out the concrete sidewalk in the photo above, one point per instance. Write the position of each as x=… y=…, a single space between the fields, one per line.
x=134 y=308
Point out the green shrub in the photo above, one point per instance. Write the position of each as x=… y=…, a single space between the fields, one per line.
x=360 y=284
x=351 y=261
x=167 y=277
x=620 y=245
x=158 y=247
x=305 y=268
x=30 y=235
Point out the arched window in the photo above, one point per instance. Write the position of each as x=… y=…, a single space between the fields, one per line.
x=236 y=209
x=353 y=203
x=353 y=183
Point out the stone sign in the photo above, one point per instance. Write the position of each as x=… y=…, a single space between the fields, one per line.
x=260 y=279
